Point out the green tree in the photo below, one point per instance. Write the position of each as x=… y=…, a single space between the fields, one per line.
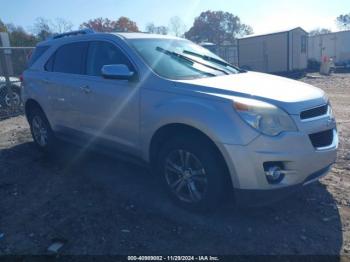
x=19 y=37
x=343 y=21
x=3 y=27
x=217 y=27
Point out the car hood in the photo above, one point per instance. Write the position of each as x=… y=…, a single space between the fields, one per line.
x=293 y=96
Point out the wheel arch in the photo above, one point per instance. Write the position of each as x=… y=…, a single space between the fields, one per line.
x=165 y=132
x=29 y=105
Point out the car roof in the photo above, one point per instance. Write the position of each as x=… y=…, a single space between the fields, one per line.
x=144 y=36
x=90 y=34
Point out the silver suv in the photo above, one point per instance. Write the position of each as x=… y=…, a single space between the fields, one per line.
x=207 y=128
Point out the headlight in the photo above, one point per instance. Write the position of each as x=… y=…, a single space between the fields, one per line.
x=264 y=117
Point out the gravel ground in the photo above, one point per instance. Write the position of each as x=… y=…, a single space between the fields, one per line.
x=94 y=204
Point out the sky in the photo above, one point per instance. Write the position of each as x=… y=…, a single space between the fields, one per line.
x=263 y=16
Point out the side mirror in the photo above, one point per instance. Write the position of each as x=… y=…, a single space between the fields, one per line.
x=121 y=72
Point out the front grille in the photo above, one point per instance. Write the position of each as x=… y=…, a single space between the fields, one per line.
x=322 y=139
x=314 y=112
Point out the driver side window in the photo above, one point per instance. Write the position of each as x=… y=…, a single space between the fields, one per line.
x=104 y=53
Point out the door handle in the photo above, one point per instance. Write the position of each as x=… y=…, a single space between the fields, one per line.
x=85 y=89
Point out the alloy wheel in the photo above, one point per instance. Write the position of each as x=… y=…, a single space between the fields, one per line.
x=186 y=176
x=12 y=99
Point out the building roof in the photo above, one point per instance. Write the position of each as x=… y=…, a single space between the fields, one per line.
x=332 y=33
x=207 y=44
x=273 y=33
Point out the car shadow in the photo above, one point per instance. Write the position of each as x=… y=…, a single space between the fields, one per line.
x=307 y=222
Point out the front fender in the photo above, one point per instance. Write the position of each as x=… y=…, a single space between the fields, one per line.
x=213 y=117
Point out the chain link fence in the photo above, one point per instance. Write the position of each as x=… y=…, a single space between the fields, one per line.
x=13 y=61
x=226 y=52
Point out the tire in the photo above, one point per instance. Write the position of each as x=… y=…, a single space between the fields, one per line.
x=6 y=100
x=42 y=133
x=204 y=177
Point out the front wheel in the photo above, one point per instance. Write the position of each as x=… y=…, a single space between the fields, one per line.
x=193 y=173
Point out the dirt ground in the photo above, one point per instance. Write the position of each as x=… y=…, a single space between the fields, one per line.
x=95 y=204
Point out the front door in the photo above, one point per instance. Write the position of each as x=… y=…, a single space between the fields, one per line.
x=109 y=108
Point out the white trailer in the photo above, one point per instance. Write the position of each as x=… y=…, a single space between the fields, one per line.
x=333 y=45
x=279 y=52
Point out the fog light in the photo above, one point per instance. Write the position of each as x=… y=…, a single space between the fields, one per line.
x=274 y=174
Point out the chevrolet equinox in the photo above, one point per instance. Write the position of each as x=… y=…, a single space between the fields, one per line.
x=206 y=127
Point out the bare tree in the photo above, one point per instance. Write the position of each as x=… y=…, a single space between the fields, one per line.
x=153 y=29
x=161 y=30
x=42 y=28
x=176 y=26
x=61 y=25
x=150 y=28
x=319 y=31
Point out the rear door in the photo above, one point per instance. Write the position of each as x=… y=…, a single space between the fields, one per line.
x=109 y=108
x=65 y=80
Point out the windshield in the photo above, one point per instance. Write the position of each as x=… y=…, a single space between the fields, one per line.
x=181 y=59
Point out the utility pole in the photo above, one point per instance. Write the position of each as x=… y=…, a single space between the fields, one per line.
x=6 y=63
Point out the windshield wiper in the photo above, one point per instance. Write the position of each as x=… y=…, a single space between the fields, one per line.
x=188 y=59
x=214 y=60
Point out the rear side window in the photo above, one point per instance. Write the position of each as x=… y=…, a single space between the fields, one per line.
x=69 y=59
x=104 y=53
x=38 y=52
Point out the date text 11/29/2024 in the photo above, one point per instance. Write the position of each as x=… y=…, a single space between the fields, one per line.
x=173 y=258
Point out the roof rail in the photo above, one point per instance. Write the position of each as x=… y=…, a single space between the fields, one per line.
x=74 y=33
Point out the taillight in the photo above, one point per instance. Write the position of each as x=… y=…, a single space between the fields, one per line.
x=21 y=78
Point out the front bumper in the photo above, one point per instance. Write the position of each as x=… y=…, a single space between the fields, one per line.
x=249 y=197
x=293 y=149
